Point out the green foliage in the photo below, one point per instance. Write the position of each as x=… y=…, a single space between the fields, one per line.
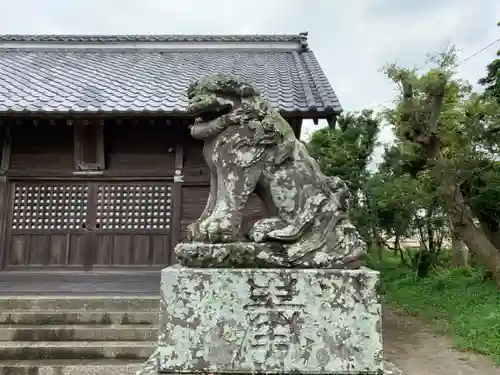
x=482 y=190
x=492 y=79
x=460 y=299
x=392 y=202
x=447 y=138
x=440 y=168
x=345 y=151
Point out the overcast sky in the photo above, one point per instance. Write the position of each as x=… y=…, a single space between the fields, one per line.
x=351 y=39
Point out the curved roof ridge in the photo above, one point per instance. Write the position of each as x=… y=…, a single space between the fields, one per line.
x=107 y=38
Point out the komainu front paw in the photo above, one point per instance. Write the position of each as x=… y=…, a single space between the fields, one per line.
x=262 y=227
x=221 y=228
x=193 y=232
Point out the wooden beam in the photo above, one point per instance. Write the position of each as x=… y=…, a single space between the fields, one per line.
x=298 y=128
x=4 y=195
x=6 y=148
x=5 y=198
x=179 y=161
x=177 y=198
x=100 y=147
x=89 y=153
x=77 y=145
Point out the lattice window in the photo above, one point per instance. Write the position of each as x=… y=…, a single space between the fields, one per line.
x=133 y=207
x=49 y=207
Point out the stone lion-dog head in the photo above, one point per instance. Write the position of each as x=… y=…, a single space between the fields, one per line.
x=217 y=94
x=219 y=101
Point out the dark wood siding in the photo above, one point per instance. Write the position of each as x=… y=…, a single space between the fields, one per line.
x=41 y=147
x=195 y=168
x=145 y=148
x=254 y=211
x=194 y=199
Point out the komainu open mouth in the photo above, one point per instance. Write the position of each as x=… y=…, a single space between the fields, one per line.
x=208 y=112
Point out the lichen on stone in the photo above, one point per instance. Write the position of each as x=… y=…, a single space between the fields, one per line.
x=270 y=321
x=249 y=147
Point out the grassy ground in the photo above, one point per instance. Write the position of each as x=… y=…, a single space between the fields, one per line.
x=458 y=300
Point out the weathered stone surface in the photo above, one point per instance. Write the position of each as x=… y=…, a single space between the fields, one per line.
x=253 y=254
x=249 y=147
x=270 y=321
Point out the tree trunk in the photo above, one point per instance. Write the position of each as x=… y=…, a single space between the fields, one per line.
x=493 y=235
x=475 y=239
x=459 y=252
x=379 y=243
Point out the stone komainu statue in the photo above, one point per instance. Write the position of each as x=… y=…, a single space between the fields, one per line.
x=249 y=147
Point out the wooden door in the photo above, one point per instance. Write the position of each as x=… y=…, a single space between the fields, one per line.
x=48 y=224
x=133 y=224
x=90 y=224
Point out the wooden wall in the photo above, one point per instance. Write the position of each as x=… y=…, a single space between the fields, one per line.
x=57 y=170
x=147 y=148
x=43 y=147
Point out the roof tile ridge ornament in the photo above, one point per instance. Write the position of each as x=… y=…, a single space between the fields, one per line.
x=106 y=38
x=304 y=45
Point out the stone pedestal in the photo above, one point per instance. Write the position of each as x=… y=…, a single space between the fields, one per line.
x=269 y=321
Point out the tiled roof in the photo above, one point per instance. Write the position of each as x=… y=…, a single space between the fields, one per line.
x=59 y=38
x=61 y=80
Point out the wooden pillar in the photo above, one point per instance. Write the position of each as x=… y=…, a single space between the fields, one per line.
x=296 y=124
x=4 y=196
x=89 y=145
x=177 y=199
x=332 y=121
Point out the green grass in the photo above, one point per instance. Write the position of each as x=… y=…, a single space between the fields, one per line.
x=459 y=300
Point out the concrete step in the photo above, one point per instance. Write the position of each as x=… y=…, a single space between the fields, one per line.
x=114 y=332
x=108 y=303
x=69 y=367
x=12 y=350
x=41 y=317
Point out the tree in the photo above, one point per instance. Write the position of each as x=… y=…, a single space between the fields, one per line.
x=492 y=79
x=406 y=204
x=444 y=123
x=345 y=152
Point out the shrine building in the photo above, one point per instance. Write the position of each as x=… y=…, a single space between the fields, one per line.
x=98 y=170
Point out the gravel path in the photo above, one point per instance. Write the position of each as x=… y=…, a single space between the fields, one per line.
x=417 y=350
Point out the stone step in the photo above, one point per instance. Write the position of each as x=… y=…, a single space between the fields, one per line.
x=69 y=367
x=43 y=317
x=114 y=332
x=108 y=303
x=11 y=350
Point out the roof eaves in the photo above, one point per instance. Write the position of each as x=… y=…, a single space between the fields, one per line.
x=305 y=114
x=19 y=39
x=325 y=90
